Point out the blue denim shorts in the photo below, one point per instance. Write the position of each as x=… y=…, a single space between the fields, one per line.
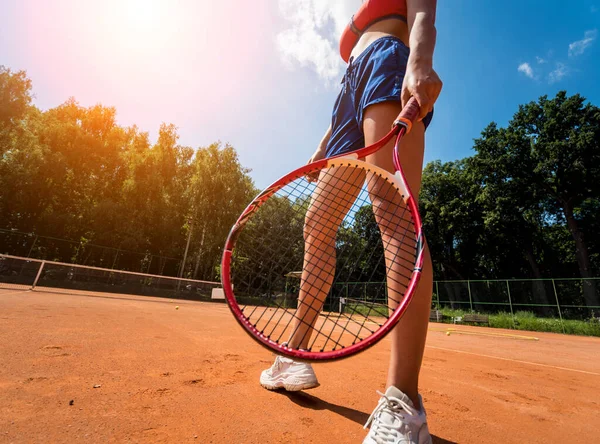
x=375 y=76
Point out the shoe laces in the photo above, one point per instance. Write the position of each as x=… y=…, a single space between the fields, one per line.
x=276 y=365
x=400 y=412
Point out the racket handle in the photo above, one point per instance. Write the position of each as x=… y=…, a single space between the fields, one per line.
x=408 y=115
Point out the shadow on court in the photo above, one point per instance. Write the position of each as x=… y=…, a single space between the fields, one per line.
x=438 y=440
x=312 y=402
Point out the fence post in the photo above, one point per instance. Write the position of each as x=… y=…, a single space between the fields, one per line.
x=510 y=304
x=39 y=273
x=437 y=292
x=470 y=298
x=115 y=261
x=558 y=307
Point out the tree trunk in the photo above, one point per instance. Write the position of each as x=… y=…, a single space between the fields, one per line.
x=455 y=271
x=195 y=275
x=161 y=264
x=583 y=258
x=539 y=290
x=200 y=251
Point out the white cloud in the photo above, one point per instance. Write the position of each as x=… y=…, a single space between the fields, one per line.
x=526 y=69
x=559 y=72
x=311 y=38
x=578 y=47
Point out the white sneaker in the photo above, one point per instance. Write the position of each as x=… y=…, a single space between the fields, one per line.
x=396 y=421
x=290 y=375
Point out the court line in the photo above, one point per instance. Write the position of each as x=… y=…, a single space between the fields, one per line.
x=514 y=360
x=2 y=293
x=483 y=333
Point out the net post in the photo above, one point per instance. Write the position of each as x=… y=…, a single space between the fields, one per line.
x=342 y=302
x=39 y=273
x=510 y=304
x=562 y=324
x=470 y=298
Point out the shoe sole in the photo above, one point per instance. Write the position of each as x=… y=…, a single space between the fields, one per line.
x=291 y=388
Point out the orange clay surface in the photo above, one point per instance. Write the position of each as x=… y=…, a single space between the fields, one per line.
x=191 y=375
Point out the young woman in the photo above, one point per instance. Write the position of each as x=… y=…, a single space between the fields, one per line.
x=382 y=74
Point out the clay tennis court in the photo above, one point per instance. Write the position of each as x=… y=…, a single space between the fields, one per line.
x=191 y=375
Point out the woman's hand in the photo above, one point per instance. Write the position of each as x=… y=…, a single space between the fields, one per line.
x=318 y=155
x=422 y=83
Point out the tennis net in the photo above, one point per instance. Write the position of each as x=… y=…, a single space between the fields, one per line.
x=28 y=274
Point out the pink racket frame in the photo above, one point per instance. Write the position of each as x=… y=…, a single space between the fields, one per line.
x=401 y=126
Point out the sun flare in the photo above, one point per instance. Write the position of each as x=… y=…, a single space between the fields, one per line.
x=144 y=15
x=144 y=25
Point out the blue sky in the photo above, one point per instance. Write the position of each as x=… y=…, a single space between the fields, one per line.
x=264 y=78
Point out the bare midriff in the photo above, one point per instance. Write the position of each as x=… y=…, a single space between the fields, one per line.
x=389 y=27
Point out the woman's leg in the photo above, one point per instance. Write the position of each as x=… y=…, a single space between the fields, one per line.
x=408 y=337
x=334 y=195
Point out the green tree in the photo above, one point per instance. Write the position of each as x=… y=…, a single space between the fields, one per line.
x=360 y=248
x=20 y=155
x=15 y=97
x=564 y=134
x=514 y=214
x=73 y=173
x=269 y=247
x=453 y=220
x=219 y=189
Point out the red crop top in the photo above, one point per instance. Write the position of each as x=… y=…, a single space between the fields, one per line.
x=371 y=11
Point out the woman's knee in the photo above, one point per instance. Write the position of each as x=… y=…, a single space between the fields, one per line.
x=319 y=231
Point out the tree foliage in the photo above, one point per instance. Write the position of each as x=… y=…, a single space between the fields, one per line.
x=74 y=173
x=524 y=205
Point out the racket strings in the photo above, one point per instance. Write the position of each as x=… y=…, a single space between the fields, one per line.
x=297 y=192
x=343 y=200
x=260 y=247
x=363 y=325
x=346 y=329
x=382 y=220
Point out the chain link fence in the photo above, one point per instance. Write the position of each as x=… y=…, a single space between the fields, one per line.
x=576 y=299
x=34 y=246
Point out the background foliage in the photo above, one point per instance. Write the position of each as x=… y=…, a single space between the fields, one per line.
x=525 y=204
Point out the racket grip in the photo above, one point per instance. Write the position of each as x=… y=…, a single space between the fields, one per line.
x=408 y=114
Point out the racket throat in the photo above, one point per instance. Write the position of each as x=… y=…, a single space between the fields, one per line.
x=402 y=185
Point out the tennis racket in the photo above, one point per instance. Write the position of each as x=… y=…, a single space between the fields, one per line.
x=321 y=269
